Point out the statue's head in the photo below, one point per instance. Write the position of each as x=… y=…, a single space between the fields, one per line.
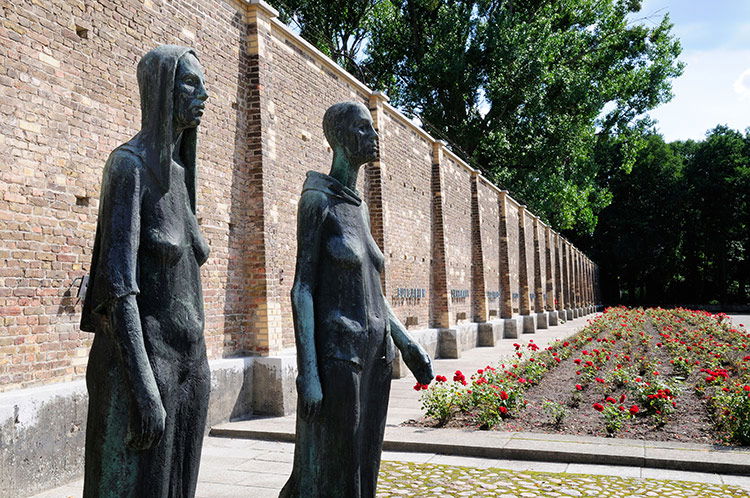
x=173 y=95
x=189 y=92
x=349 y=130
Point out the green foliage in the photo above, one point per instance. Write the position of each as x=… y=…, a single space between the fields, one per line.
x=678 y=229
x=530 y=91
x=556 y=411
x=441 y=400
x=615 y=417
x=733 y=410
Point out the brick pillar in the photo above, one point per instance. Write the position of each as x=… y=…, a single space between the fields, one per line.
x=523 y=269
x=568 y=279
x=559 y=283
x=263 y=329
x=577 y=276
x=478 y=287
x=374 y=182
x=538 y=284
x=439 y=302
x=549 y=248
x=506 y=296
x=579 y=280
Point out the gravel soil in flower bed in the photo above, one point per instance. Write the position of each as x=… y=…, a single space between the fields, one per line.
x=639 y=374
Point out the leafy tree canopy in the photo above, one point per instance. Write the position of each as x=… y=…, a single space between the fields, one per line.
x=537 y=93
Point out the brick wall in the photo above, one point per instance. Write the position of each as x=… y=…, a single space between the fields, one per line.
x=68 y=97
x=298 y=88
x=457 y=219
x=489 y=216
x=511 y=215
x=406 y=172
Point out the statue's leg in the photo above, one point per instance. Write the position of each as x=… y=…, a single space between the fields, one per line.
x=190 y=427
x=339 y=439
x=376 y=388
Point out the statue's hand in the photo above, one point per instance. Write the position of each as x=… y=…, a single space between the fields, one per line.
x=147 y=419
x=418 y=361
x=310 y=394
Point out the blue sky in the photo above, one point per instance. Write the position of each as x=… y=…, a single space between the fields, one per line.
x=715 y=87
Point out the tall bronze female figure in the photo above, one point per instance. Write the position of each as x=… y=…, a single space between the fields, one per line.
x=148 y=377
x=345 y=330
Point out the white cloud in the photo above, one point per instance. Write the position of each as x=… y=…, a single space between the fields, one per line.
x=742 y=85
x=706 y=95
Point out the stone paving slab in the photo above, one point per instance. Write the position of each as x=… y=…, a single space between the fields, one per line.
x=252 y=468
x=397 y=480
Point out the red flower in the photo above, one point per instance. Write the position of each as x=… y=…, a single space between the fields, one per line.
x=503 y=410
x=420 y=387
x=610 y=399
x=441 y=378
x=599 y=380
x=598 y=407
x=746 y=388
x=579 y=387
x=503 y=395
x=633 y=410
x=622 y=397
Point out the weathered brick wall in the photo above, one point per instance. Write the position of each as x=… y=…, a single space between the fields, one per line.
x=489 y=216
x=68 y=96
x=511 y=214
x=457 y=217
x=530 y=268
x=299 y=87
x=406 y=164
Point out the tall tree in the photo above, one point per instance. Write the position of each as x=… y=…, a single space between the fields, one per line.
x=529 y=89
x=525 y=89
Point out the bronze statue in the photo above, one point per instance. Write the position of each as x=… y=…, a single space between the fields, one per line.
x=148 y=378
x=344 y=328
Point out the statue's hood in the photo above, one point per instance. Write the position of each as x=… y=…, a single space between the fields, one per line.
x=330 y=186
x=156 y=80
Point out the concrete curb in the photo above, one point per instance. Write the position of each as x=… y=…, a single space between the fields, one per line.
x=526 y=446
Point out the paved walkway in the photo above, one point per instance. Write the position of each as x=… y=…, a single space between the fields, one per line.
x=258 y=469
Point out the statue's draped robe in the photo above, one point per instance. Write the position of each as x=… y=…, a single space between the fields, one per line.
x=338 y=453
x=148 y=244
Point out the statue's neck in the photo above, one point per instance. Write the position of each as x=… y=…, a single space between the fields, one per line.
x=344 y=171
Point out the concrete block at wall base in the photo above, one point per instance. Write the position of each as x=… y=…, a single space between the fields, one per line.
x=461 y=338
x=274 y=384
x=42 y=436
x=428 y=339
x=541 y=320
x=577 y=313
x=512 y=327
x=568 y=314
x=553 y=318
x=490 y=333
x=529 y=324
x=43 y=429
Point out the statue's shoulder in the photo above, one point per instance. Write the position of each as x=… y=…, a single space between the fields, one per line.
x=124 y=161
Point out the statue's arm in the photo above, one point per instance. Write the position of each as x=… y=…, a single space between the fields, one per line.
x=311 y=213
x=120 y=220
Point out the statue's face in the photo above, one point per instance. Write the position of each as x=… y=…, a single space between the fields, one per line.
x=189 y=93
x=360 y=140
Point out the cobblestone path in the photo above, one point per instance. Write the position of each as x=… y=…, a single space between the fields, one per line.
x=407 y=479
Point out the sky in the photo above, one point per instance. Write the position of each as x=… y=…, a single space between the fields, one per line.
x=715 y=85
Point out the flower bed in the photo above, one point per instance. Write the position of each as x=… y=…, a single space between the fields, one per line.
x=654 y=374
